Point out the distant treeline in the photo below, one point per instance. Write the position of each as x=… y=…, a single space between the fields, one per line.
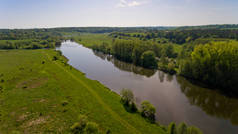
x=29 y=39
x=183 y=36
x=124 y=29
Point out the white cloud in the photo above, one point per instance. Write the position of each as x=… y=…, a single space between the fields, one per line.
x=130 y=3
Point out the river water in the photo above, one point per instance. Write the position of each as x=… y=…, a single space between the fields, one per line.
x=175 y=98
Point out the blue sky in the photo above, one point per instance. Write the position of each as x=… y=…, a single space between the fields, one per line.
x=67 y=13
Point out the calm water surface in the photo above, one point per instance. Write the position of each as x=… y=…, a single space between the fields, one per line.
x=175 y=98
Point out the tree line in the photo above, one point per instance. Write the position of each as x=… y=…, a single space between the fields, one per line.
x=29 y=39
x=214 y=63
x=142 y=53
x=211 y=61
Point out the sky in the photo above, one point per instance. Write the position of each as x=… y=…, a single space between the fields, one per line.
x=115 y=13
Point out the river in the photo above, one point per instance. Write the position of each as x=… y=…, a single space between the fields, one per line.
x=175 y=98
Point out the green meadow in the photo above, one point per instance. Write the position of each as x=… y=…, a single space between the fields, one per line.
x=40 y=92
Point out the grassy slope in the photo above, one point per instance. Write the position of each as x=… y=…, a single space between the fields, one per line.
x=32 y=96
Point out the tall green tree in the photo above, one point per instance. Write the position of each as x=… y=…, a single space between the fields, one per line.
x=148 y=59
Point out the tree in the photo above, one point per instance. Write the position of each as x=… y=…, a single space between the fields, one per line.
x=193 y=130
x=215 y=64
x=127 y=97
x=148 y=110
x=172 y=128
x=182 y=128
x=148 y=59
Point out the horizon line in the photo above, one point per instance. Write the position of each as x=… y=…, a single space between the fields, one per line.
x=116 y=26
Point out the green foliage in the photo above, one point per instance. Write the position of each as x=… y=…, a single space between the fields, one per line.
x=172 y=128
x=79 y=126
x=182 y=129
x=84 y=127
x=148 y=110
x=76 y=128
x=122 y=49
x=148 y=59
x=91 y=128
x=193 y=130
x=127 y=97
x=30 y=39
x=215 y=64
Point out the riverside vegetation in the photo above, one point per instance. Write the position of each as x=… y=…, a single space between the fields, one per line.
x=205 y=55
x=39 y=91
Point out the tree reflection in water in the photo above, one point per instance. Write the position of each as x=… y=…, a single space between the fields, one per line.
x=211 y=101
x=125 y=66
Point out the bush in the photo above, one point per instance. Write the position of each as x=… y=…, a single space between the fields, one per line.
x=193 y=130
x=55 y=58
x=64 y=103
x=91 y=128
x=127 y=97
x=148 y=110
x=79 y=126
x=84 y=127
x=76 y=128
x=182 y=128
x=172 y=128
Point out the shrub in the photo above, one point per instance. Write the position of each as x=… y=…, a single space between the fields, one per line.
x=64 y=103
x=182 y=128
x=76 y=128
x=127 y=97
x=55 y=58
x=133 y=107
x=91 y=128
x=193 y=130
x=79 y=126
x=148 y=110
x=172 y=128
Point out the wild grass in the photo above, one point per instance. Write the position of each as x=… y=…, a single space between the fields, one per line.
x=41 y=95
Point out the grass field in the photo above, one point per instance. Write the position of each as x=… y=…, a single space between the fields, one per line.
x=34 y=89
x=91 y=39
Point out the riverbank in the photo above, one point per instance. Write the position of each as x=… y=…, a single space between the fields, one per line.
x=175 y=98
x=41 y=95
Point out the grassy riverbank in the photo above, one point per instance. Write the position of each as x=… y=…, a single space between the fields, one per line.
x=39 y=94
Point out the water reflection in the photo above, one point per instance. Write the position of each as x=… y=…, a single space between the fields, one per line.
x=126 y=66
x=212 y=102
x=175 y=98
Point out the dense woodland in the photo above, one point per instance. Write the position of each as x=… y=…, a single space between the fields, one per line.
x=29 y=39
